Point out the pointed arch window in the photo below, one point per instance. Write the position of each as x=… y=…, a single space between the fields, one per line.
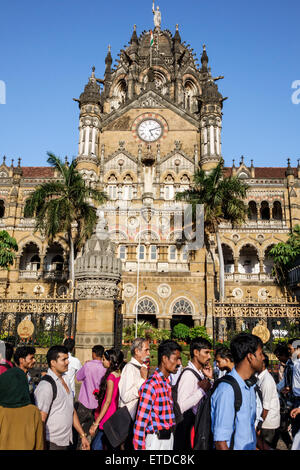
x=182 y=307
x=146 y=306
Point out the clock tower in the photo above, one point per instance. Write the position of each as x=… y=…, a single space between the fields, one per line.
x=145 y=127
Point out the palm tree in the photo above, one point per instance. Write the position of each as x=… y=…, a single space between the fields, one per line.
x=57 y=205
x=222 y=198
x=8 y=247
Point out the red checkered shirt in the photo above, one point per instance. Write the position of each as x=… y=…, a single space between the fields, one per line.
x=155 y=410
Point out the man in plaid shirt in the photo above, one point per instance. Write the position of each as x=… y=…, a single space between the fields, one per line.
x=155 y=419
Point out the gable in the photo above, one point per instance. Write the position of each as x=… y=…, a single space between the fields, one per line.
x=177 y=159
x=113 y=161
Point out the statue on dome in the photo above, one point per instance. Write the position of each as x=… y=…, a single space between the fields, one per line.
x=157 y=16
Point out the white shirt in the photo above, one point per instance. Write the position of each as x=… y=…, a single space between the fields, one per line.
x=270 y=400
x=296 y=378
x=73 y=367
x=174 y=377
x=60 y=419
x=129 y=385
x=189 y=393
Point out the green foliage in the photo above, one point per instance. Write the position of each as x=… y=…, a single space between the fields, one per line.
x=199 y=332
x=283 y=254
x=8 y=248
x=181 y=332
x=161 y=335
x=144 y=330
x=45 y=339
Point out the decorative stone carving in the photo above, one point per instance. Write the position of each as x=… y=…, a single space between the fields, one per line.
x=263 y=293
x=238 y=293
x=164 y=291
x=97 y=271
x=129 y=290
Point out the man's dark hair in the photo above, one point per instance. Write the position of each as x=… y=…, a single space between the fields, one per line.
x=243 y=344
x=199 y=343
x=70 y=344
x=167 y=348
x=282 y=350
x=224 y=352
x=98 y=350
x=22 y=352
x=290 y=341
x=266 y=360
x=54 y=352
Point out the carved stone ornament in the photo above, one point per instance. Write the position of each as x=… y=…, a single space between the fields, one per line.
x=129 y=290
x=262 y=332
x=238 y=293
x=164 y=290
x=97 y=289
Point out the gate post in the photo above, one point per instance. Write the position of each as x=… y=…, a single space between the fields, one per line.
x=98 y=273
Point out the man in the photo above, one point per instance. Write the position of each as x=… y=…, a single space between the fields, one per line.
x=90 y=375
x=293 y=345
x=191 y=388
x=6 y=353
x=58 y=415
x=246 y=350
x=74 y=363
x=155 y=419
x=271 y=406
x=224 y=359
x=296 y=385
x=25 y=360
x=133 y=376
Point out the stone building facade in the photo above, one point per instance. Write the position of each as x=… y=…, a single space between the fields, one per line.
x=144 y=128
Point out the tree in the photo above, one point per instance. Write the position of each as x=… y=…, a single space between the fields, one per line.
x=283 y=254
x=58 y=205
x=222 y=198
x=8 y=248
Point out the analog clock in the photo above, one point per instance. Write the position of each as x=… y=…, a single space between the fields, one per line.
x=150 y=130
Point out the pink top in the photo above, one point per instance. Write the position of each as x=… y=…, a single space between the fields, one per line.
x=114 y=401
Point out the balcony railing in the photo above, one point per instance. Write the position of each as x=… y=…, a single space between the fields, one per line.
x=251 y=277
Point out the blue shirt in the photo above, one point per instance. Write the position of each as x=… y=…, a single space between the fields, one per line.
x=296 y=378
x=222 y=415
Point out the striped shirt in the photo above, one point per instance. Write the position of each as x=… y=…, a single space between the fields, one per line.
x=155 y=410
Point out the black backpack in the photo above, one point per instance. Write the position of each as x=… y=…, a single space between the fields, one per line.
x=51 y=381
x=176 y=407
x=203 y=434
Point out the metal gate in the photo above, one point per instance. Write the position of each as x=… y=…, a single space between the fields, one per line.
x=40 y=322
x=273 y=319
x=118 y=323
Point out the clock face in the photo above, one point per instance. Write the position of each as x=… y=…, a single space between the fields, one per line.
x=150 y=130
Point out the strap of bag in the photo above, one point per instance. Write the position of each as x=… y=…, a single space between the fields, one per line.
x=184 y=370
x=51 y=381
x=135 y=365
x=237 y=399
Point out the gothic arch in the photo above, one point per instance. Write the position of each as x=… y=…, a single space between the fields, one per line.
x=147 y=236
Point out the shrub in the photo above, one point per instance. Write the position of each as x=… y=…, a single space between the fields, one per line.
x=199 y=331
x=181 y=332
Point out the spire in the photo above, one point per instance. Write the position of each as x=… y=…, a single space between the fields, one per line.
x=177 y=37
x=108 y=61
x=134 y=39
x=204 y=59
x=289 y=170
x=91 y=92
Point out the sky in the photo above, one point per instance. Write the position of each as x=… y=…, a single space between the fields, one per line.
x=47 y=49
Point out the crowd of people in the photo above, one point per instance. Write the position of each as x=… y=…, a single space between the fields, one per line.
x=225 y=399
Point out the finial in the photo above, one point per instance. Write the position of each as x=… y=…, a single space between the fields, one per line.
x=289 y=162
x=204 y=47
x=233 y=160
x=19 y=162
x=66 y=160
x=134 y=27
x=242 y=160
x=4 y=158
x=12 y=163
x=298 y=162
x=251 y=163
x=109 y=48
x=177 y=27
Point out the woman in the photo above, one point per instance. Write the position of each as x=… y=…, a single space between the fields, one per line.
x=21 y=426
x=108 y=394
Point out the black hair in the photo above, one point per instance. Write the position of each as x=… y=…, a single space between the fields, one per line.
x=282 y=350
x=22 y=352
x=266 y=360
x=224 y=352
x=54 y=352
x=199 y=343
x=167 y=348
x=98 y=350
x=290 y=341
x=70 y=344
x=116 y=359
x=243 y=344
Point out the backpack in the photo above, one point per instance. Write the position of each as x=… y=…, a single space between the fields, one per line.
x=176 y=407
x=203 y=434
x=51 y=381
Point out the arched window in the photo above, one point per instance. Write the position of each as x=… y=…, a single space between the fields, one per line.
x=30 y=258
x=190 y=94
x=120 y=92
x=127 y=188
x=252 y=211
x=228 y=259
x=248 y=260
x=57 y=263
x=265 y=211
x=182 y=307
x=112 y=187
x=268 y=261
x=169 y=187
x=146 y=306
x=142 y=253
x=2 y=208
x=153 y=253
x=184 y=253
x=277 y=211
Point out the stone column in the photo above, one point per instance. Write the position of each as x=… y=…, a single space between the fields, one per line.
x=167 y=323
x=161 y=323
x=97 y=274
